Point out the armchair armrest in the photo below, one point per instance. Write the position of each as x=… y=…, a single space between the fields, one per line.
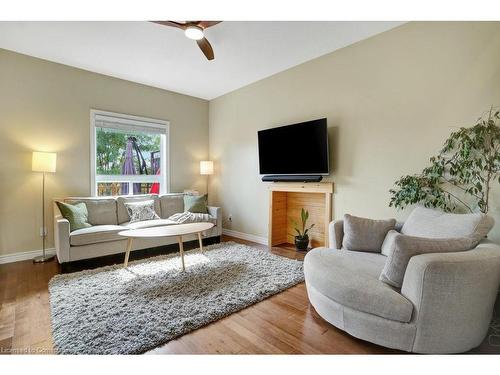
x=399 y=225
x=217 y=213
x=61 y=236
x=336 y=234
x=453 y=296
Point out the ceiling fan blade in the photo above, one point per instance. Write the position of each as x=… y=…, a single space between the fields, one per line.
x=206 y=48
x=205 y=24
x=171 y=23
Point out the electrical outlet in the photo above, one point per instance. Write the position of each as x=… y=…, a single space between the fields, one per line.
x=43 y=231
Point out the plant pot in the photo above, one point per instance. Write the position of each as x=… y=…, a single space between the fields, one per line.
x=301 y=243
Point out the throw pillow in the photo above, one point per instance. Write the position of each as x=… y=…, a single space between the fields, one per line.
x=401 y=248
x=141 y=211
x=76 y=214
x=362 y=234
x=196 y=203
x=388 y=244
x=432 y=223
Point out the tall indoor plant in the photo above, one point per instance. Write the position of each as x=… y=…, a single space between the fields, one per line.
x=460 y=177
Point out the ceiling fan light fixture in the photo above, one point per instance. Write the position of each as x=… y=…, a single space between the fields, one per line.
x=194 y=32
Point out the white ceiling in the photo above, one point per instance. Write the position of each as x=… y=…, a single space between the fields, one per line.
x=163 y=57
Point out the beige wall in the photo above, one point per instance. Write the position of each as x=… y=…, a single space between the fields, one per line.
x=390 y=100
x=46 y=106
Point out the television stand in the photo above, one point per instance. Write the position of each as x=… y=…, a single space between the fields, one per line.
x=286 y=199
x=292 y=178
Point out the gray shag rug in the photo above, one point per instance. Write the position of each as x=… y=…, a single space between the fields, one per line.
x=113 y=310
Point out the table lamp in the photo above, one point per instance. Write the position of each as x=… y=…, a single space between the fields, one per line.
x=206 y=169
x=44 y=162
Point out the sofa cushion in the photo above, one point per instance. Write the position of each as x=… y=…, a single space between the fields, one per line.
x=122 y=210
x=76 y=214
x=95 y=234
x=401 y=248
x=430 y=223
x=149 y=223
x=351 y=279
x=102 y=211
x=171 y=204
x=362 y=234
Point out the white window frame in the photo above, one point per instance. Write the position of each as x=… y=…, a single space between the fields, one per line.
x=163 y=179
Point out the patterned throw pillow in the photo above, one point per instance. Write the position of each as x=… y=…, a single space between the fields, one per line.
x=141 y=211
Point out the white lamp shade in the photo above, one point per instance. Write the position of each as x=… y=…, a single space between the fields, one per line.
x=43 y=162
x=206 y=167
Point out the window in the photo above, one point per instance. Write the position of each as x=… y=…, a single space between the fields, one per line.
x=129 y=154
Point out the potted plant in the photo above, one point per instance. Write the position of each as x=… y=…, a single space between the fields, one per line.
x=302 y=239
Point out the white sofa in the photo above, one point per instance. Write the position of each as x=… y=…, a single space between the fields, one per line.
x=109 y=216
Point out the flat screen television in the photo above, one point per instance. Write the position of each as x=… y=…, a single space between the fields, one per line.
x=298 y=149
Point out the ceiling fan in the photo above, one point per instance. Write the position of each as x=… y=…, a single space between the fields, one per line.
x=194 y=30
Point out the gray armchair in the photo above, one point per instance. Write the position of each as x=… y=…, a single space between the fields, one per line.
x=445 y=304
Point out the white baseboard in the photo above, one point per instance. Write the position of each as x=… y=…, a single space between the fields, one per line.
x=25 y=255
x=245 y=236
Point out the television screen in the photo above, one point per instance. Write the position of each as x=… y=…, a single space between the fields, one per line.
x=294 y=149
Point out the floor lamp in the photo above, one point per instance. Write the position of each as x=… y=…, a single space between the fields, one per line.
x=207 y=169
x=44 y=162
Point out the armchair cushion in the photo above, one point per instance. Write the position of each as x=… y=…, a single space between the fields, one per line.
x=362 y=234
x=400 y=248
x=350 y=278
x=430 y=223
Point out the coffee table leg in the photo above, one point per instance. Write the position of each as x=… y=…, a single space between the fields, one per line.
x=200 y=241
x=127 y=252
x=181 y=248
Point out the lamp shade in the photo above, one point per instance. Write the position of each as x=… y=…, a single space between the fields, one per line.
x=43 y=162
x=206 y=167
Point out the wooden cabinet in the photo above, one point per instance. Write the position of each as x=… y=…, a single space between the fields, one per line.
x=286 y=199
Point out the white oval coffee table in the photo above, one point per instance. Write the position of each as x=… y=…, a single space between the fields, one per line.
x=177 y=230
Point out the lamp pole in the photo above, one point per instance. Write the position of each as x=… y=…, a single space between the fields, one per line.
x=43 y=215
x=43 y=258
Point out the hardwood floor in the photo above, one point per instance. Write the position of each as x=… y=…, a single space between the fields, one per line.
x=284 y=323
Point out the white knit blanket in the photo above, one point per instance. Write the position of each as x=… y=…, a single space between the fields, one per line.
x=190 y=217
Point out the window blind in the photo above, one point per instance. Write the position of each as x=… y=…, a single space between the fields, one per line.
x=129 y=125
